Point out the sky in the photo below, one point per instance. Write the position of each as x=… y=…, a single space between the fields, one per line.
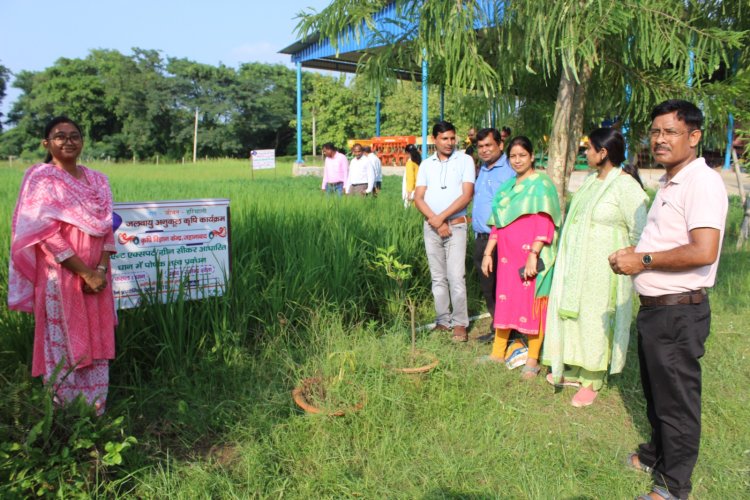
x=35 y=33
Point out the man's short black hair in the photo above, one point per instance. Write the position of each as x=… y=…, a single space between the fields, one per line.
x=686 y=112
x=485 y=132
x=442 y=126
x=329 y=146
x=507 y=131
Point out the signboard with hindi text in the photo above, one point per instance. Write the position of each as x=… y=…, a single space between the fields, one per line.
x=263 y=159
x=170 y=249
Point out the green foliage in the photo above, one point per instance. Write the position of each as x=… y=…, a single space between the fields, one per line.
x=4 y=76
x=48 y=451
x=142 y=105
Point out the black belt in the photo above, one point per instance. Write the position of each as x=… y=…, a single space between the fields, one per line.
x=673 y=299
x=483 y=236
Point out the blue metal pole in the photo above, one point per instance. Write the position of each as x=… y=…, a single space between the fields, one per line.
x=424 y=103
x=691 y=70
x=299 y=113
x=730 y=124
x=377 y=116
x=442 y=102
x=626 y=123
x=730 y=140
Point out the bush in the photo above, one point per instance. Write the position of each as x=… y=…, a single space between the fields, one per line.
x=52 y=451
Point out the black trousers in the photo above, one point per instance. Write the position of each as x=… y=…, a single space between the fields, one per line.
x=487 y=284
x=671 y=342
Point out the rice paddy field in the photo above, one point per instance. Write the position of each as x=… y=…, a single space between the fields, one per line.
x=200 y=402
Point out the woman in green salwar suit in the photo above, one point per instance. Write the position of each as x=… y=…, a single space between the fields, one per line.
x=590 y=308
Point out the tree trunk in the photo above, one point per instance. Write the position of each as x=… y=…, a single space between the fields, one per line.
x=558 y=142
x=576 y=124
x=567 y=128
x=745 y=228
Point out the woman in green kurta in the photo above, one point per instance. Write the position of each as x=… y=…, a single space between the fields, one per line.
x=590 y=308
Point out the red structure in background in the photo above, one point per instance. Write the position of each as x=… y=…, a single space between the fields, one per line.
x=392 y=150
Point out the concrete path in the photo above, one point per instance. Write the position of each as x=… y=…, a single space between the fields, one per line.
x=650 y=178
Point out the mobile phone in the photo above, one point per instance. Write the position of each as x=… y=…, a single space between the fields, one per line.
x=539 y=268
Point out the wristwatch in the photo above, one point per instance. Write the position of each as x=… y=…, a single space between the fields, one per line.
x=646 y=260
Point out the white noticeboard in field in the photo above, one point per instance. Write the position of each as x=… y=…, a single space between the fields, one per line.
x=263 y=159
x=170 y=249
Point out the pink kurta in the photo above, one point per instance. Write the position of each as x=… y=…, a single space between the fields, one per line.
x=58 y=216
x=516 y=306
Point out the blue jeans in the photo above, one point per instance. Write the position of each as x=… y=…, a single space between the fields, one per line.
x=447 y=260
x=335 y=187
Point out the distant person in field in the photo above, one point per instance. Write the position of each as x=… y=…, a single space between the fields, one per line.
x=471 y=147
x=505 y=134
x=445 y=185
x=377 y=165
x=361 y=179
x=672 y=265
x=590 y=308
x=410 y=174
x=61 y=242
x=494 y=170
x=524 y=217
x=335 y=170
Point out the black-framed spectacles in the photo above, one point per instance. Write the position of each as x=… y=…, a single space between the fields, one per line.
x=61 y=139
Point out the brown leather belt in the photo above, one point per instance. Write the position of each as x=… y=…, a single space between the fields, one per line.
x=673 y=299
x=459 y=220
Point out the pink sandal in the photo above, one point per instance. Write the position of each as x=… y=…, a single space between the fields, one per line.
x=584 y=397
x=563 y=383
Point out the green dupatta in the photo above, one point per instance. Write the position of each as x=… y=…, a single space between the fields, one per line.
x=575 y=243
x=535 y=194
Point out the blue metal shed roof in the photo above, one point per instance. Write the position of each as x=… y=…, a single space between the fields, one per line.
x=318 y=53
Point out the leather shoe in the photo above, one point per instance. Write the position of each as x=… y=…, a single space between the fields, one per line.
x=460 y=334
x=440 y=328
x=486 y=338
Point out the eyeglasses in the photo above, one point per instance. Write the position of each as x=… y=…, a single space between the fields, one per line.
x=61 y=139
x=669 y=133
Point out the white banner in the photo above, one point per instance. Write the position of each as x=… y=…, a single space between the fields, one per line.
x=170 y=249
x=263 y=159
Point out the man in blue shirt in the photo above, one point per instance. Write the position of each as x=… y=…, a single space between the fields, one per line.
x=493 y=172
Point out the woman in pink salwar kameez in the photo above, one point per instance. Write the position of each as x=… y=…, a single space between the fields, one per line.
x=525 y=218
x=61 y=242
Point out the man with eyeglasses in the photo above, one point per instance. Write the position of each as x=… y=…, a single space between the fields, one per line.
x=445 y=185
x=673 y=264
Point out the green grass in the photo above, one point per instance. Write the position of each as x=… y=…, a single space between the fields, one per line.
x=205 y=386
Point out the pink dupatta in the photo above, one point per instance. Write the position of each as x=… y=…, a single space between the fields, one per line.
x=48 y=197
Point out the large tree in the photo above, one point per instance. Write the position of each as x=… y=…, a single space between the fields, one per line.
x=4 y=76
x=640 y=51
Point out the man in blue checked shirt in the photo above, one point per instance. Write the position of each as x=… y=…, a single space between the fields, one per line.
x=493 y=172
